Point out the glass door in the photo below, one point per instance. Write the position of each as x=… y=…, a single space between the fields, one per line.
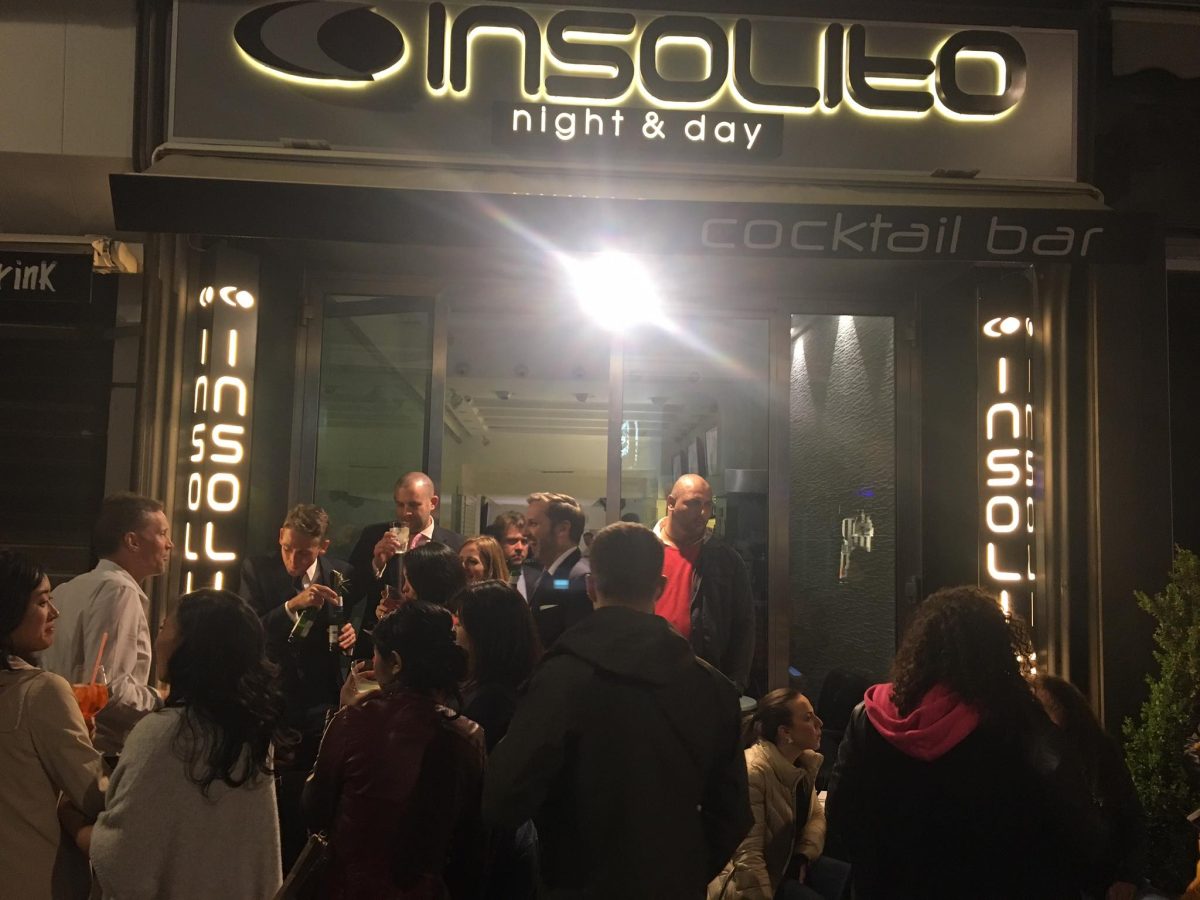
x=370 y=407
x=526 y=410
x=696 y=402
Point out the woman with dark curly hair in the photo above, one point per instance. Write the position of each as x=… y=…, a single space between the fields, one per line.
x=44 y=747
x=191 y=807
x=951 y=781
x=398 y=779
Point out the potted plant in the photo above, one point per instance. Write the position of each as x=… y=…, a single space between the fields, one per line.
x=1155 y=744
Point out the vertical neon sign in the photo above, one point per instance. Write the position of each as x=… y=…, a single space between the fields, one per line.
x=1008 y=482
x=216 y=449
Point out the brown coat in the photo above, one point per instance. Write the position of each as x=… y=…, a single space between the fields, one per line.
x=44 y=749
x=397 y=788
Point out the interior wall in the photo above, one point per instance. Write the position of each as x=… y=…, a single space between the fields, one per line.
x=843 y=462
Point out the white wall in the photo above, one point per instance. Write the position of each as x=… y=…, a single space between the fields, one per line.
x=66 y=77
x=66 y=112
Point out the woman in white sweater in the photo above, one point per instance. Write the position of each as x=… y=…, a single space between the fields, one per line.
x=44 y=746
x=190 y=812
x=788 y=835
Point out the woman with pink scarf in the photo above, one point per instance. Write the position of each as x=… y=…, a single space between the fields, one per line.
x=951 y=781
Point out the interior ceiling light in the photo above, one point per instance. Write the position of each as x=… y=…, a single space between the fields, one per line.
x=614 y=289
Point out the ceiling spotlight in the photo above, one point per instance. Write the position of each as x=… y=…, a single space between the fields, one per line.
x=614 y=289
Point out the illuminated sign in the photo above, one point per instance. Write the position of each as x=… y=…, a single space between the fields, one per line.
x=603 y=56
x=1009 y=479
x=216 y=451
x=547 y=82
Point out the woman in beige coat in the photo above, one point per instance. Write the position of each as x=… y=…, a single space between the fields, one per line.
x=788 y=834
x=45 y=751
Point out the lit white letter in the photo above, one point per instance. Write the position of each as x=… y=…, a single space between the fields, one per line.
x=194 y=490
x=201 y=388
x=230 y=381
x=1014 y=515
x=1010 y=408
x=1010 y=471
x=210 y=551
x=998 y=573
x=234 y=490
x=234 y=446
x=188 y=552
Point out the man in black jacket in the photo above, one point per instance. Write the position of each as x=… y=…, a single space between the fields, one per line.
x=376 y=554
x=281 y=587
x=625 y=748
x=554 y=581
x=707 y=597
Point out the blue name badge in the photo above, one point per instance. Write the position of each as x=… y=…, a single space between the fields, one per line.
x=561 y=584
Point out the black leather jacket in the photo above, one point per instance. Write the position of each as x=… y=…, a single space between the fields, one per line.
x=723 y=611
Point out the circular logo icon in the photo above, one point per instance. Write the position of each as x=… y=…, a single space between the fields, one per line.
x=322 y=40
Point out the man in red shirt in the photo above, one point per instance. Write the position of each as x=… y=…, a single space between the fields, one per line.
x=707 y=596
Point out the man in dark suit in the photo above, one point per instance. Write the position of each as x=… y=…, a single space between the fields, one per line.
x=376 y=554
x=555 y=583
x=282 y=588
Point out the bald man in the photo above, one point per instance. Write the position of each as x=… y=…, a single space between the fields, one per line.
x=375 y=555
x=707 y=594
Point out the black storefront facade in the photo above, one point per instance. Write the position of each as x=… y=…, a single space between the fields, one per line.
x=904 y=341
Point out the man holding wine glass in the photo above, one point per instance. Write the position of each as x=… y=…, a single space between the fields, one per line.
x=299 y=594
x=381 y=545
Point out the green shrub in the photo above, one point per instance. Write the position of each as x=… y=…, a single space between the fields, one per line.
x=1154 y=744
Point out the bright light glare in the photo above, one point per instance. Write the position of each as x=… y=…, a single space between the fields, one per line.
x=614 y=289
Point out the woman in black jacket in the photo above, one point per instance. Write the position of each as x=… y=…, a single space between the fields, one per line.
x=951 y=781
x=497 y=630
x=1122 y=862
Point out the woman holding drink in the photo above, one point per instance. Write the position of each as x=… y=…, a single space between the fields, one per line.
x=44 y=746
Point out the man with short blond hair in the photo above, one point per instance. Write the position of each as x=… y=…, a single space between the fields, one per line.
x=707 y=597
x=554 y=584
x=625 y=748
x=281 y=587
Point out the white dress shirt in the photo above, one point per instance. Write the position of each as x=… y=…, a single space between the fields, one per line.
x=106 y=599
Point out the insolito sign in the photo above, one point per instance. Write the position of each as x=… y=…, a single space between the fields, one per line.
x=576 y=84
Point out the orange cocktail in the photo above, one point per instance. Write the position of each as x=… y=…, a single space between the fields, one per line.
x=91 y=698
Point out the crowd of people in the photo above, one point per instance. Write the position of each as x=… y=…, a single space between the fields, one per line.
x=503 y=716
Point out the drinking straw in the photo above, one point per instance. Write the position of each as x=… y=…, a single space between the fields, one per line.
x=99 y=656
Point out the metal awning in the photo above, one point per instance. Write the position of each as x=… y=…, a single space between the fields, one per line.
x=306 y=195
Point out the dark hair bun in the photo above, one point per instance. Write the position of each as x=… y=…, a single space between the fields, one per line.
x=422 y=635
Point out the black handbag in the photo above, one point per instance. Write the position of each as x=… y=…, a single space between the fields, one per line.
x=303 y=882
